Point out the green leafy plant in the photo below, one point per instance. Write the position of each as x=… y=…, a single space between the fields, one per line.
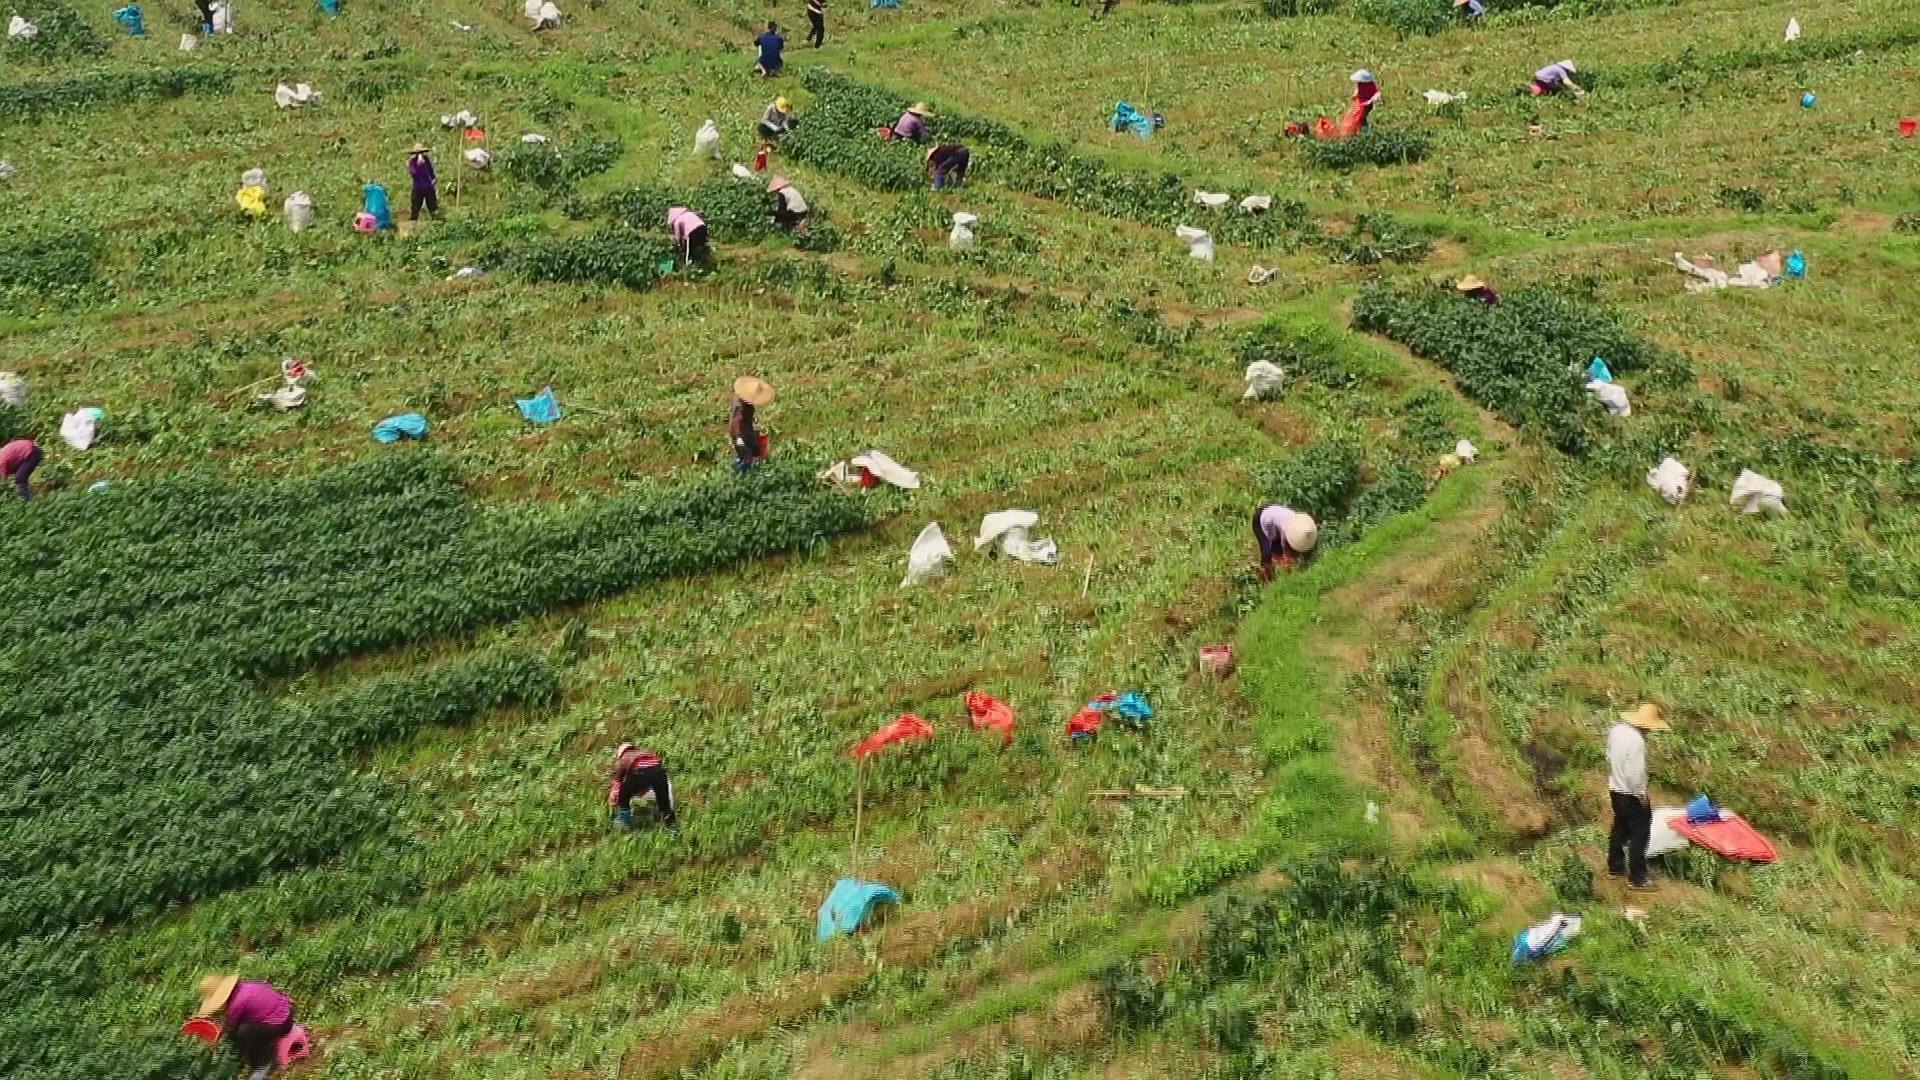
x=1374 y=146
x=63 y=35
x=553 y=169
x=616 y=256
x=1408 y=18
x=24 y=102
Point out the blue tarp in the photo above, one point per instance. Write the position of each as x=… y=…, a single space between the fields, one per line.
x=131 y=18
x=330 y=7
x=1129 y=706
x=378 y=206
x=1598 y=371
x=847 y=906
x=1701 y=811
x=1126 y=117
x=405 y=426
x=883 y=3
x=541 y=408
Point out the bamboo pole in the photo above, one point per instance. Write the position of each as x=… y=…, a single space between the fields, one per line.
x=859 y=807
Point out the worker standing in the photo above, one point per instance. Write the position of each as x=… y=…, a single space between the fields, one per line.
x=770 y=44
x=1366 y=95
x=426 y=185
x=690 y=236
x=789 y=206
x=1285 y=536
x=1472 y=288
x=817 y=22
x=637 y=772
x=18 y=459
x=948 y=163
x=253 y=1017
x=777 y=120
x=1556 y=77
x=749 y=447
x=1627 y=790
x=913 y=123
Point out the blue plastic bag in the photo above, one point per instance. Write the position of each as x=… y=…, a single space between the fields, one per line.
x=541 y=408
x=846 y=908
x=1807 y=100
x=131 y=18
x=1796 y=264
x=330 y=7
x=404 y=426
x=1701 y=811
x=378 y=206
x=1598 y=371
x=1128 y=118
x=883 y=4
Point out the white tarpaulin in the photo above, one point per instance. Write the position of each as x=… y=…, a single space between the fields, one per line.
x=1612 y=395
x=1672 y=480
x=1751 y=275
x=80 y=427
x=1257 y=204
x=1264 y=379
x=887 y=469
x=929 y=556
x=1753 y=494
x=1199 y=242
x=1009 y=527
x=1212 y=200
x=1661 y=838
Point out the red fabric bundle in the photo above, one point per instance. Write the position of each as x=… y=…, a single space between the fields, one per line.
x=906 y=726
x=989 y=712
x=1730 y=837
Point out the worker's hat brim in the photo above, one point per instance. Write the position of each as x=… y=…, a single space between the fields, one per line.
x=755 y=392
x=1646 y=716
x=214 y=992
x=1469 y=283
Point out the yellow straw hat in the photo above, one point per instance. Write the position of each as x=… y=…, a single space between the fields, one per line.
x=783 y=104
x=1302 y=533
x=920 y=108
x=1469 y=283
x=1646 y=716
x=755 y=392
x=214 y=992
x=421 y=148
x=777 y=183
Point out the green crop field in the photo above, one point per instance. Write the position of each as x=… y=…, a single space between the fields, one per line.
x=281 y=700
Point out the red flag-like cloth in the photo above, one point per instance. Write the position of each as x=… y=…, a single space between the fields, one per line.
x=905 y=726
x=990 y=713
x=474 y=135
x=1085 y=722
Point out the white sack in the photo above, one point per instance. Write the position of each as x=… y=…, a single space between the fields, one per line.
x=466 y=273
x=478 y=158
x=929 y=556
x=254 y=178
x=1793 y=29
x=533 y=138
x=887 y=469
x=531 y=9
x=1612 y=395
x=188 y=43
x=6 y=170
x=18 y=27
x=1199 y=242
x=13 y=390
x=741 y=172
x=80 y=427
x=290 y=396
x=1753 y=493
x=462 y=119
x=1258 y=275
x=299 y=210
x=1672 y=480
x=1257 y=204
x=961 y=238
x=1661 y=838
x=1466 y=452
x=1437 y=98
x=707 y=140
x=1264 y=379
x=1009 y=527
x=1212 y=200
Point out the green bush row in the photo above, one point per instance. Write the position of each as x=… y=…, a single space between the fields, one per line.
x=553 y=169
x=21 y=102
x=615 y=256
x=63 y=35
x=1371 y=147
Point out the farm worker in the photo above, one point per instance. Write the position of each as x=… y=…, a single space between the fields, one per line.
x=1556 y=77
x=1627 y=790
x=817 y=22
x=913 y=123
x=1474 y=289
x=749 y=395
x=948 y=164
x=1366 y=94
x=377 y=206
x=635 y=773
x=1470 y=10
x=18 y=459
x=425 y=183
x=689 y=235
x=770 y=44
x=253 y=1016
x=1285 y=536
x=789 y=206
x=778 y=119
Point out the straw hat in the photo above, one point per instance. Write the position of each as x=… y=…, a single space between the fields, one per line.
x=1646 y=716
x=783 y=104
x=1301 y=533
x=1461 y=3
x=777 y=183
x=421 y=148
x=622 y=748
x=755 y=392
x=1362 y=76
x=214 y=992
x=1469 y=283
x=920 y=108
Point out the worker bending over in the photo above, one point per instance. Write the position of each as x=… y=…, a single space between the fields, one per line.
x=1473 y=288
x=913 y=123
x=1366 y=95
x=690 y=236
x=253 y=1018
x=18 y=459
x=637 y=772
x=948 y=164
x=789 y=206
x=1556 y=77
x=778 y=119
x=1627 y=791
x=749 y=447
x=1285 y=536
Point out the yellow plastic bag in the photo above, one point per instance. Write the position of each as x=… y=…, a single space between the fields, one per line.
x=253 y=200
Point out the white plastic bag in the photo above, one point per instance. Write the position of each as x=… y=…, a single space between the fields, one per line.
x=547 y=18
x=254 y=178
x=1257 y=204
x=80 y=427
x=1466 y=452
x=1264 y=379
x=290 y=396
x=299 y=210
x=961 y=238
x=1009 y=527
x=1612 y=395
x=478 y=158
x=1753 y=494
x=466 y=273
x=1199 y=242
x=18 y=27
x=13 y=390
x=1212 y=200
x=283 y=96
x=188 y=43
x=741 y=172
x=1672 y=480
x=1438 y=98
x=707 y=140
x=886 y=469
x=1258 y=275
x=462 y=119
x=533 y=138
x=1793 y=29
x=929 y=556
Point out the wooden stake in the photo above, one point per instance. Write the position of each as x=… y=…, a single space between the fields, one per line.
x=859 y=806
x=1088 y=579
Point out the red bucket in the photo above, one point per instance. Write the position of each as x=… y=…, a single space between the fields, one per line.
x=760 y=158
x=867 y=479
x=203 y=1029
x=1216 y=660
x=1908 y=126
x=765 y=442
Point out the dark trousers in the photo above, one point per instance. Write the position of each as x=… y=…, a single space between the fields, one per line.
x=258 y=1044
x=786 y=218
x=427 y=197
x=698 y=250
x=25 y=471
x=652 y=778
x=206 y=14
x=1627 y=843
x=818 y=32
x=953 y=172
